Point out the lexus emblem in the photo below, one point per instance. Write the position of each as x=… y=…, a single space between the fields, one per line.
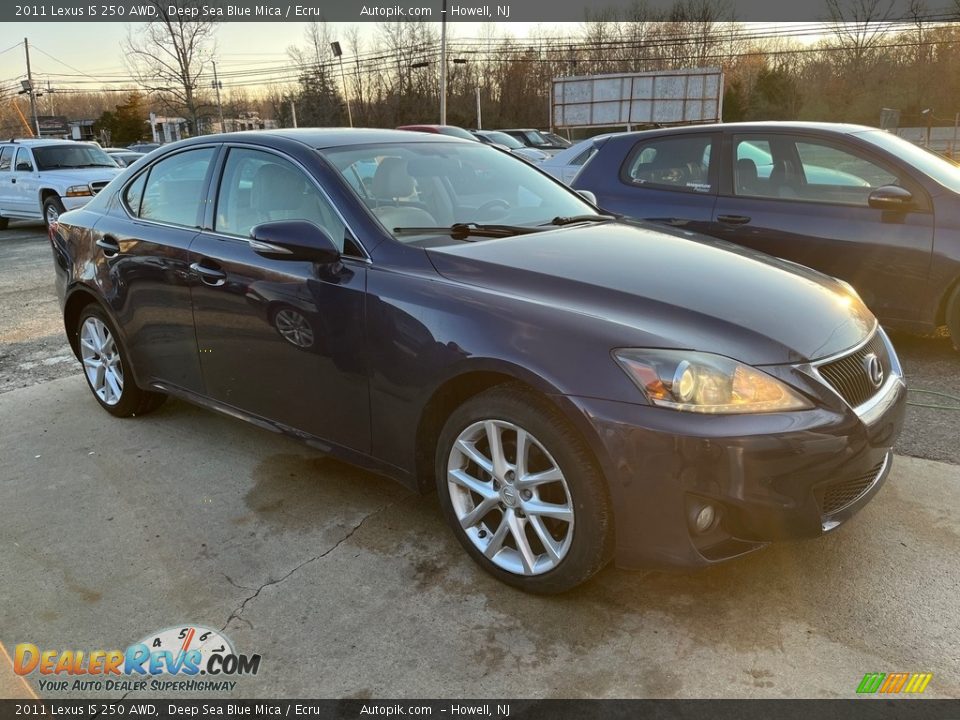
x=871 y=363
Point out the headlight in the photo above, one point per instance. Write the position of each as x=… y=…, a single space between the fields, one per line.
x=706 y=383
x=78 y=191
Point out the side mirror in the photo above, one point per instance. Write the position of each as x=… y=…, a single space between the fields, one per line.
x=293 y=240
x=24 y=167
x=891 y=197
x=588 y=196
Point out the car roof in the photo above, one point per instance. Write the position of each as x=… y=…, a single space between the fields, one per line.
x=35 y=142
x=768 y=125
x=323 y=138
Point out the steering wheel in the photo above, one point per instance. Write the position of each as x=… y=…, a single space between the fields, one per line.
x=493 y=205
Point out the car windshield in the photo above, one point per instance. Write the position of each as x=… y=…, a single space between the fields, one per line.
x=504 y=139
x=76 y=155
x=536 y=139
x=425 y=185
x=926 y=161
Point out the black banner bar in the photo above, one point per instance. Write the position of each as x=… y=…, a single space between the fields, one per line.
x=853 y=709
x=353 y=11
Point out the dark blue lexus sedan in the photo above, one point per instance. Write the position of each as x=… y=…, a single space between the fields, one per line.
x=576 y=388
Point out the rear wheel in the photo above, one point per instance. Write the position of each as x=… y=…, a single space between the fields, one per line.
x=107 y=370
x=521 y=491
x=52 y=209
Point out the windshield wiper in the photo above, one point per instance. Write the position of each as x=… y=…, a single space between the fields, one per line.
x=581 y=219
x=461 y=231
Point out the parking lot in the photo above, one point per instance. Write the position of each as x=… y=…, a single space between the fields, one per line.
x=350 y=586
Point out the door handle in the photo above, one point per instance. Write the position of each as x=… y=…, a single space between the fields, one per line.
x=733 y=219
x=110 y=247
x=13 y=180
x=209 y=276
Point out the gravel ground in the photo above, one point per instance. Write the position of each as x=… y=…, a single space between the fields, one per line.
x=33 y=348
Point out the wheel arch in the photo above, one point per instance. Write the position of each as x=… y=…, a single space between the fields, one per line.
x=470 y=381
x=953 y=288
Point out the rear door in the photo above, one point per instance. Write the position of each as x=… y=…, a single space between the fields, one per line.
x=143 y=264
x=805 y=198
x=281 y=339
x=7 y=186
x=26 y=187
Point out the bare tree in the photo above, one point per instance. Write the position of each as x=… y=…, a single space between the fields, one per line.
x=169 y=54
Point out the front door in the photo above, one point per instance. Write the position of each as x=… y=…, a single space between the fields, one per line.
x=280 y=339
x=804 y=198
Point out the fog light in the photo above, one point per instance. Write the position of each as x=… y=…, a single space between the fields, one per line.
x=705 y=518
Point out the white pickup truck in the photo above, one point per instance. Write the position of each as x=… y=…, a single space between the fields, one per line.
x=39 y=179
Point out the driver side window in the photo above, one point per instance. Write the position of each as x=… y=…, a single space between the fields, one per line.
x=680 y=162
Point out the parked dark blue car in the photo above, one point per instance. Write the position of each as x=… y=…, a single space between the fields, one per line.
x=855 y=202
x=575 y=388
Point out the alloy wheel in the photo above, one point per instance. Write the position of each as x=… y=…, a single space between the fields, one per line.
x=101 y=361
x=53 y=215
x=510 y=497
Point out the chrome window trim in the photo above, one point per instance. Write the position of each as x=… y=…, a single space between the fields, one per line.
x=121 y=194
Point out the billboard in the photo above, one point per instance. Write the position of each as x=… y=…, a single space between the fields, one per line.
x=664 y=97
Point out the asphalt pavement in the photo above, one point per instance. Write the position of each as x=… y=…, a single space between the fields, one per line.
x=350 y=586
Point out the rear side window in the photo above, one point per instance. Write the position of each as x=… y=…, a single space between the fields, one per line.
x=133 y=195
x=675 y=163
x=173 y=192
x=6 y=157
x=24 y=163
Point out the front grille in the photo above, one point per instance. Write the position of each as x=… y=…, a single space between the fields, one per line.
x=836 y=496
x=96 y=187
x=849 y=376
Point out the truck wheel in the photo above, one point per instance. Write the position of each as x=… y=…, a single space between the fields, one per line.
x=52 y=210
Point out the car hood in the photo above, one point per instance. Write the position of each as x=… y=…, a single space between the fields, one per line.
x=670 y=289
x=76 y=176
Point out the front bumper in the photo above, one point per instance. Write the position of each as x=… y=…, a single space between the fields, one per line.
x=769 y=476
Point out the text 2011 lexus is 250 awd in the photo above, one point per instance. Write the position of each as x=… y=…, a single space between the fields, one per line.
x=576 y=388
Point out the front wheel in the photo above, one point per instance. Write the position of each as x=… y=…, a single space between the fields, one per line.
x=106 y=369
x=52 y=210
x=522 y=492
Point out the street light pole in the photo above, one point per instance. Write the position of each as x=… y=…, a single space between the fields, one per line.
x=338 y=52
x=443 y=65
x=33 y=98
x=217 y=85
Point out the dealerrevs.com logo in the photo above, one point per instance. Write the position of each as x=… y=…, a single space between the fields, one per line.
x=173 y=659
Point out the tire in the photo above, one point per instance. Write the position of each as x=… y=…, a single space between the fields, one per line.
x=106 y=369
x=953 y=317
x=501 y=501
x=52 y=209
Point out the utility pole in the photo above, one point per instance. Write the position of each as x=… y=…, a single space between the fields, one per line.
x=33 y=97
x=217 y=85
x=293 y=112
x=50 y=97
x=479 y=120
x=443 y=65
x=338 y=52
